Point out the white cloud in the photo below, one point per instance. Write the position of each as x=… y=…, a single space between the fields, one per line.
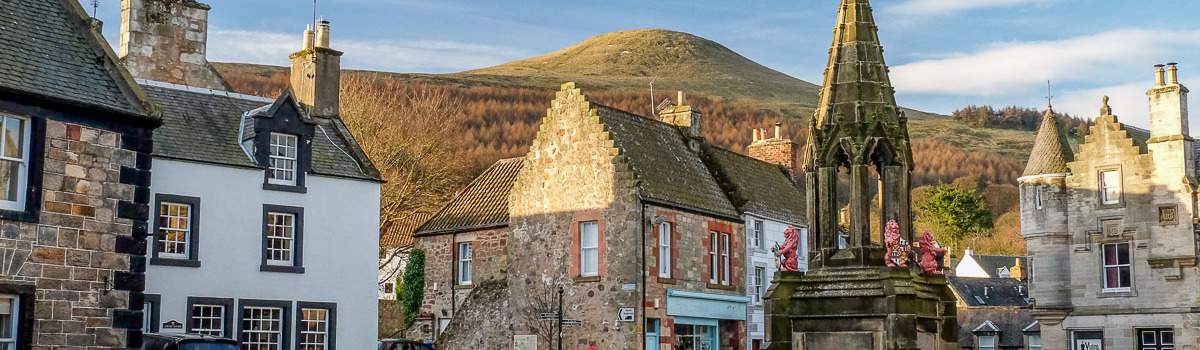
x=426 y=56
x=945 y=7
x=1015 y=68
x=1128 y=101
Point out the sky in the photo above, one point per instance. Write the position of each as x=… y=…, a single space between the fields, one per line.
x=943 y=54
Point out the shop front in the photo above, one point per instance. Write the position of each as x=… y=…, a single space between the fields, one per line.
x=706 y=321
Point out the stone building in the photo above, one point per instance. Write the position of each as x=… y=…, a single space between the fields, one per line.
x=75 y=185
x=637 y=221
x=250 y=198
x=1110 y=228
x=859 y=159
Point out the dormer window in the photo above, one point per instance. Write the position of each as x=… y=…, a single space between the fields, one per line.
x=284 y=150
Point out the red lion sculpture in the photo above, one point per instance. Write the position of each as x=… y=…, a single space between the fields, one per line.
x=931 y=255
x=785 y=256
x=896 y=248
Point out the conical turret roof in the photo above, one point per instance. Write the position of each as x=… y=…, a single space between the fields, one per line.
x=856 y=82
x=1050 y=153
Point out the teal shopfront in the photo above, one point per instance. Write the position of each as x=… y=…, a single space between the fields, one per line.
x=700 y=319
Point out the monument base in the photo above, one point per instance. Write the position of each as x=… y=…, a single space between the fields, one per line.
x=860 y=308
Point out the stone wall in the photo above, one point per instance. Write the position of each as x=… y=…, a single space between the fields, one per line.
x=166 y=40
x=78 y=264
x=776 y=150
x=488 y=263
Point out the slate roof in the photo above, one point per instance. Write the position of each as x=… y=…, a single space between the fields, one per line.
x=1050 y=153
x=49 y=50
x=203 y=125
x=987 y=292
x=1011 y=321
x=670 y=172
x=755 y=186
x=399 y=233
x=481 y=204
x=990 y=263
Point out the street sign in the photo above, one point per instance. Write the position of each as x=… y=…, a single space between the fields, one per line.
x=572 y=323
x=548 y=316
x=625 y=314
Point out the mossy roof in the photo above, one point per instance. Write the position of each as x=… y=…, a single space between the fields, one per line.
x=756 y=187
x=482 y=204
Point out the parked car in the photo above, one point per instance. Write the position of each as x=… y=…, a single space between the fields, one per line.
x=184 y=341
x=402 y=344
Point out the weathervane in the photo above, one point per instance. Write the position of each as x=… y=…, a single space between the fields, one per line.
x=1049 y=97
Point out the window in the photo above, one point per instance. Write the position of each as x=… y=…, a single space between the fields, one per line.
x=283 y=237
x=264 y=325
x=725 y=259
x=14 y=162
x=1033 y=342
x=1156 y=339
x=1037 y=196
x=281 y=233
x=465 y=256
x=695 y=337
x=986 y=342
x=315 y=326
x=175 y=234
x=713 y=274
x=282 y=169
x=758 y=234
x=209 y=316
x=1087 y=340
x=1110 y=187
x=664 y=250
x=150 y=312
x=589 y=249
x=760 y=275
x=9 y=321
x=1116 y=267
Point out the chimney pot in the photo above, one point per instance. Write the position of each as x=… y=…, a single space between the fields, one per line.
x=323 y=34
x=754 y=135
x=679 y=97
x=778 y=133
x=1173 y=73
x=1160 y=78
x=309 y=39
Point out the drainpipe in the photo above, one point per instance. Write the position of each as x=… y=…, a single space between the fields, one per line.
x=642 y=219
x=453 y=275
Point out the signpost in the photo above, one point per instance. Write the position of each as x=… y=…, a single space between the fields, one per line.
x=625 y=314
x=571 y=323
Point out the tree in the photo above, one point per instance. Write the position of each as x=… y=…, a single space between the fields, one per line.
x=959 y=213
x=413 y=290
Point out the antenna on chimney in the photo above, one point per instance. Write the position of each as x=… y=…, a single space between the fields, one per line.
x=314 y=17
x=95 y=8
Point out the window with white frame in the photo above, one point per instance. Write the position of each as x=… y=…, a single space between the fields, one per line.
x=208 y=319
x=281 y=238
x=664 y=250
x=9 y=321
x=262 y=328
x=1110 y=187
x=714 y=273
x=589 y=249
x=283 y=159
x=986 y=342
x=759 y=235
x=760 y=276
x=175 y=229
x=314 y=329
x=1117 y=273
x=1156 y=339
x=14 y=162
x=1033 y=342
x=725 y=259
x=466 y=257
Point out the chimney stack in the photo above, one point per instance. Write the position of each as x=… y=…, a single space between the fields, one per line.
x=1168 y=105
x=682 y=116
x=316 y=73
x=166 y=40
x=775 y=150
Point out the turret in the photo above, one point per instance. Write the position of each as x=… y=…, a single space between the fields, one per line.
x=1044 y=202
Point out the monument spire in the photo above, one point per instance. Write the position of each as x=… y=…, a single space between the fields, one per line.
x=856 y=84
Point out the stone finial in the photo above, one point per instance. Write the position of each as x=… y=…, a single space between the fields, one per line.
x=1104 y=108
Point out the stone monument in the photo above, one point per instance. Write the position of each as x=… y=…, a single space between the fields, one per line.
x=859 y=157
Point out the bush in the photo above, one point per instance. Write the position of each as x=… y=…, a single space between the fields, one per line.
x=412 y=287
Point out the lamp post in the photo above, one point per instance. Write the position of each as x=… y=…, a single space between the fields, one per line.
x=560 y=316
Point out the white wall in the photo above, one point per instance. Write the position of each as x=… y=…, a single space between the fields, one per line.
x=762 y=257
x=340 y=242
x=391 y=267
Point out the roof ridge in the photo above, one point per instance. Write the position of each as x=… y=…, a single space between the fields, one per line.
x=205 y=91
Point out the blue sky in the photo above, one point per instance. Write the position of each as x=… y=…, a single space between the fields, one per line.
x=944 y=53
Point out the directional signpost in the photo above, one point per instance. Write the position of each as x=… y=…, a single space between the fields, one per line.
x=572 y=323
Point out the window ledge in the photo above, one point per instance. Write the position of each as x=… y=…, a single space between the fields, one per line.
x=175 y=262
x=583 y=279
x=721 y=287
x=19 y=215
x=666 y=280
x=285 y=188
x=283 y=269
x=1116 y=293
x=464 y=286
